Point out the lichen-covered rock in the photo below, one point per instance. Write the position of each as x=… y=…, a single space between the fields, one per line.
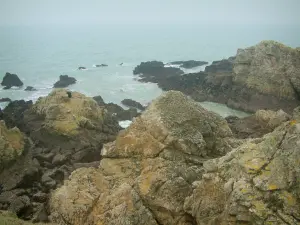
x=12 y=144
x=146 y=174
x=257 y=183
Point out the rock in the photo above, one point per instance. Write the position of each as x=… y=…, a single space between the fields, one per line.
x=263 y=172
x=257 y=125
x=81 y=68
x=121 y=114
x=225 y=65
x=154 y=71
x=40 y=197
x=30 y=88
x=59 y=159
x=99 y=100
x=188 y=64
x=102 y=65
x=12 y=144
x=5 y=100
x=10 y=80
x=13 y=114
x=132 y=103
x=7 y=87
x=8 y=218
x=64 y=81
x=146 y=174
x=19 y=204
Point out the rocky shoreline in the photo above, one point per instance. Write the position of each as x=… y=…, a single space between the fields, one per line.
x=64 y=159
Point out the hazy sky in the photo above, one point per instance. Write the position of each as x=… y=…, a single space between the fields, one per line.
x=42 y=12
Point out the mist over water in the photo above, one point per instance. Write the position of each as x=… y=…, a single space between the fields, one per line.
x=38 y=55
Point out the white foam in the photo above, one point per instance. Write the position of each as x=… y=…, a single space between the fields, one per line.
x=125 y=123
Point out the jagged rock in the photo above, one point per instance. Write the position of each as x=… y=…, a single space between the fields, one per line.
x=121 y=114
x=133 y=104
x=99 y=100
x=256 y=183
x=5 y=100
x=30 y=88
x=189 y=64
x=225 y=65
x=64 y=81
x=10 y=80
x=146 y=174
x=13 y=114
x=12 y=145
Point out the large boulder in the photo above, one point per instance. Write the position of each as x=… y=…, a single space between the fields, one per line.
x=12 y=144
x=146 y=174
x=64 y=81
x=257 y=183
x=10 y=80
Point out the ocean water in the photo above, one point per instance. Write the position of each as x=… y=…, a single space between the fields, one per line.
x=38 y=55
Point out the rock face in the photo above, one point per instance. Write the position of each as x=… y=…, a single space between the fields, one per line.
x=30 y=88
x=188 y=64
x=146 y=174
x=154 y=71
x=133 y=104
x=257 y=125
x=12 y=144
x=10 y=80
x=256 y=183
x=67 y=134
x=64 y=81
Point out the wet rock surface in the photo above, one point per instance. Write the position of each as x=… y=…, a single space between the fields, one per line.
x=11 y=80
x=64 y=81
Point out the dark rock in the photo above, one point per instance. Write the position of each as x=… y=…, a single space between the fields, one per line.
x=59 y=159
x=64 y=81
x=30 y=88
x=121 y=64
x=19 y=204
x=48 y=182
x=10 y=80
x=133 y=104
x=5 y=100
x=155 y=71
x=7 y=87
x=102 y=65
x=189 y=64
x=40 y=214
x=13 y=114
x=81 y=68
x=99 y=100
x=40 y=197
x=225 y=65
x=121 y=114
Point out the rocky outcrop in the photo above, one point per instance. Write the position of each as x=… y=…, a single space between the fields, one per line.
x=12 y=144
x=155 y=71
x=64 y=81
x=133 y=104
x=66 y=134
x=189 y=64
x=256 y=183
x=30 y=88
x=257 y=125
x=146 y=174
x=265 y=76
x=10 y=80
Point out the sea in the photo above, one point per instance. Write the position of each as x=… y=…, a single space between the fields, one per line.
x=38 y=55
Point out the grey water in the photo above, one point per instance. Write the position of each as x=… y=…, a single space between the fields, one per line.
x=38 y=55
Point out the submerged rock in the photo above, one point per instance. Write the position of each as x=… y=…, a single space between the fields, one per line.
x=10 y=80
x=81 y=68
x=64 y=81
x=146 y=174
x=101 y=65
x=30 y=88
x=133 y=103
